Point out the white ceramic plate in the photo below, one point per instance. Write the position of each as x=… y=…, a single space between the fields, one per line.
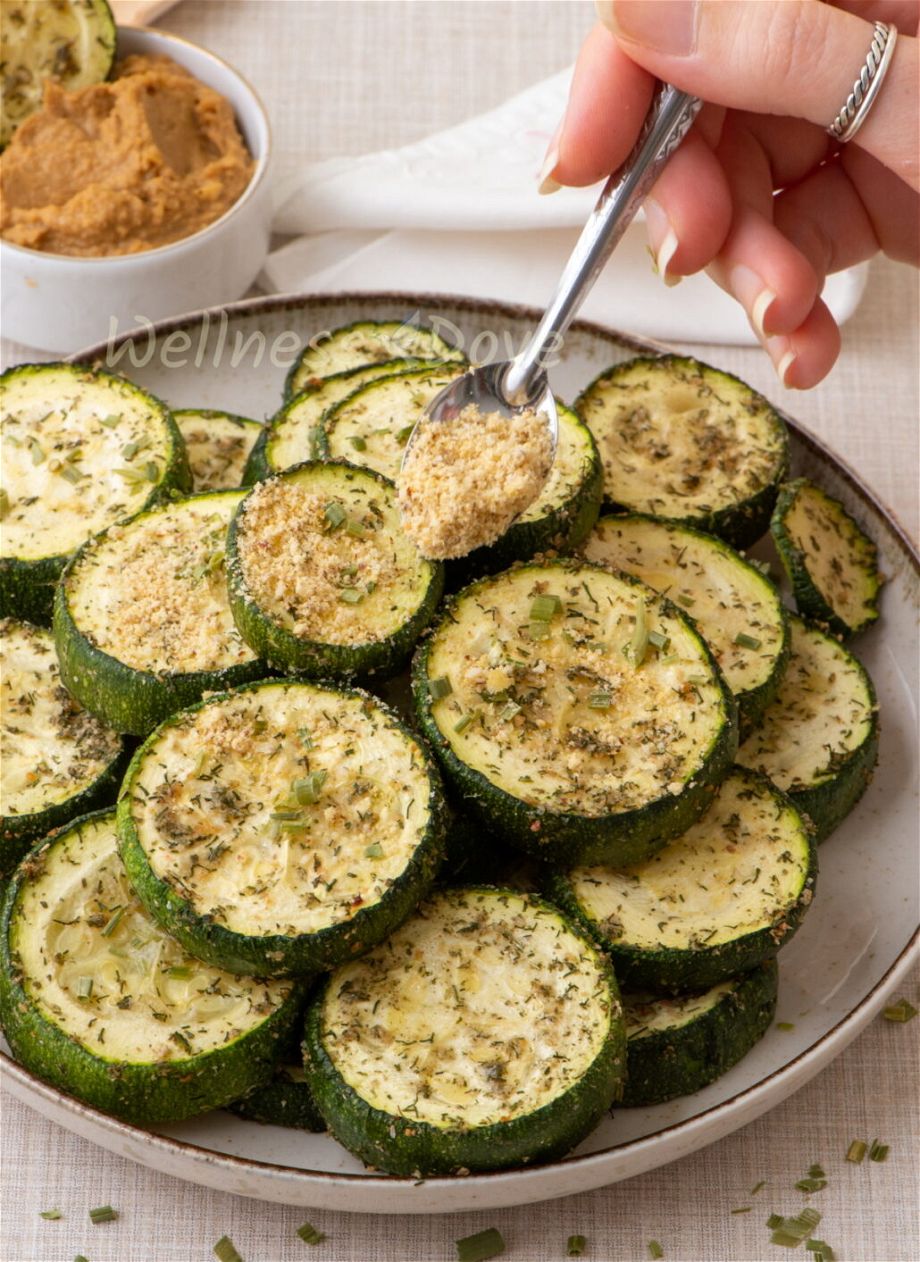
x=855 y=945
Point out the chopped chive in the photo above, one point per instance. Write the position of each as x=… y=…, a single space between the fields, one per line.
x=402 y=435
x=510 y=710
x=463 y=723
x=181 y=972
x=38 y=452
x=130 y=450
x=284 y=817
x=358 y=442
x=877 y=1151
x=599 y=701
x=544 y=608
x=103 y=1214
x=901 y=1011
x=785 y=1025
x=309 y=1234
x=4 y=502
x=687 y=601
x=823 y=1252
x=129 y=475
x=856 y=1151
x=350 y=596
x=71 y=474
x=50 y=1214
x=81 y=1258
x=659 y=641
x=151 y=471
x=811 y=1185
x=575 y=1246
x=374 y=851
x=539 y=631
x=109 y=421
x=775 y=1220
x=305 y=738
x=307 y=790
x=638 y=645
x=747 y=641
x=479 y=1247
x=439 y=688
x=226 y=1250
x=786 y=1239
x=758 y=1187
x=816 y=1172
x=113 y=922
x=655 y=1250
x=743 y=1209
x=355 y=529
x=84 y=987
x=334 y=515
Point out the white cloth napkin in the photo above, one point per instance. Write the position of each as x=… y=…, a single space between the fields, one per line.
x=458 y=212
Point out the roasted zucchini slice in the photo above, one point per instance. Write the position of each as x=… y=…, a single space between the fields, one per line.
x=218 y=445
x=294 y=433
x=81 y=449
x=100 y=1002
x=832 y=565
x=486 y=1032
x=681 y=440
x=71 y=42
x=717 y=901
x=285 y=1101
x=736 y=609
x=283 y=827
x=142 y=620
x=362 y=343
x=559 y=723
x=681 y=1043
x=372 y=426
x=818 y=740
x=56 y=760
x=323 y=581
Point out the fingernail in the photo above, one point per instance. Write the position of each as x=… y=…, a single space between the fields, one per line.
x=753 y=294
x=666 y=25
x=545 y=182
x=782 y=368
x=783 y=357
x=663 y=239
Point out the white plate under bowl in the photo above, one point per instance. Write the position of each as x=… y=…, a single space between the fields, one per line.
x=855 y=945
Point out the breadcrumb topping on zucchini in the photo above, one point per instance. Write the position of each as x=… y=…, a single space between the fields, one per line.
x=465 y=479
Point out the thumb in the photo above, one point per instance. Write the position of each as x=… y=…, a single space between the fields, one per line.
x=797 y=58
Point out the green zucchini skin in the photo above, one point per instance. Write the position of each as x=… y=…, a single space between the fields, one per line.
x=672 y=970
x=566 y=839
x=304 y=369
x=130 y=700
x=282 y=1102
x=809 y=601
x=291 y=654
x=673 y=1062
x=279 y=955
x=406 y=1146
x=27 y=586
x=740 y=524
x=145 y=1094
x=832 y=795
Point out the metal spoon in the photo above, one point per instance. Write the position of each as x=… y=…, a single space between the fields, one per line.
x=513 y=385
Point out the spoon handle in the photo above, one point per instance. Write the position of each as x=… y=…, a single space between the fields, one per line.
x=667 y=122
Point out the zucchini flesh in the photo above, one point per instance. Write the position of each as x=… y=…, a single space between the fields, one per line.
x=362 y=343
x=81 y=450
x=294 y=433
x=56 y=760
x=280 y=828
x=715 y=902
x=322 y=579
x=485 y=1032
x=818 y=740
x=70 y=41
x=832 y=565
x=218 y=446
x=737 y=610
x=101 y=1002
x=142 y=618
x=571 y=734
x=681 y=440
x=681 y=1043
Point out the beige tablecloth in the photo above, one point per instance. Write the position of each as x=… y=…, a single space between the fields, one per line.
x=342 y=78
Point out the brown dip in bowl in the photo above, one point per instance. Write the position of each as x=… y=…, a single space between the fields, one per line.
x=147 y=158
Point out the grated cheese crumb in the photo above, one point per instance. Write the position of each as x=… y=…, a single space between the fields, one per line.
x=466 y=479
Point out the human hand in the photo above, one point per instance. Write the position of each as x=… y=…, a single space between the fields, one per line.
x=758 y=194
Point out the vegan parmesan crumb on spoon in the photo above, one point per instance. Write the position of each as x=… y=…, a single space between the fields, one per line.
x=466 y=478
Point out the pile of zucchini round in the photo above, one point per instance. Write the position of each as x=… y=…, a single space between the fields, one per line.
x=402 y=914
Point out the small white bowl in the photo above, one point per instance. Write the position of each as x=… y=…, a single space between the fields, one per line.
x=57 y=302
